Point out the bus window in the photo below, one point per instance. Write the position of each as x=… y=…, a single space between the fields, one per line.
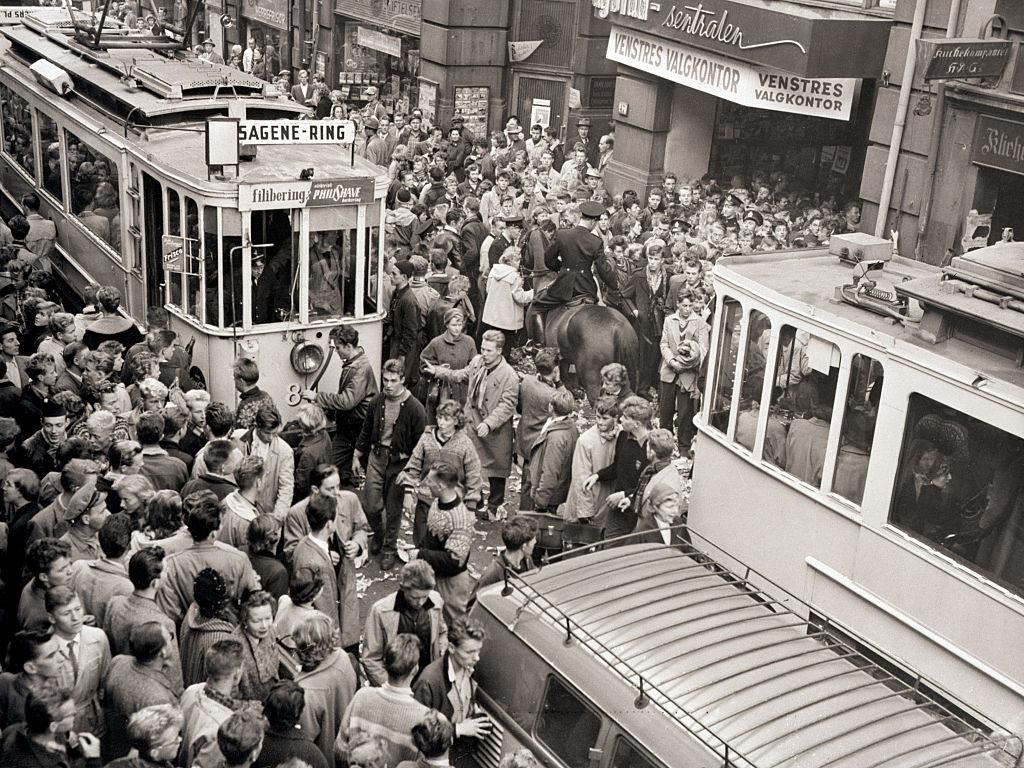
x=193 y=262
x=730 y=327
x=566 y=726
x=759 y=328
x=174 y=278
x=803 y=395
x=960 y=486
x=858 y=428
x=95 y=195
x=628 y=756
x=17 y=130
x=275 y=269
x=49 y=143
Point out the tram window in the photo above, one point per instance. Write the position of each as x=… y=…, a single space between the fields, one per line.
x=95 y=191
x=174 y=279
x=628 y=756
x=858 y=433
x=333 y=254
x=803 y=396
x=275 y=268
x=960 y=486
x=49 y=141
x=372 y=266
x=566 y=726
x=752 y=384
x=729 y=331
x=17 y=130
x=193 y=261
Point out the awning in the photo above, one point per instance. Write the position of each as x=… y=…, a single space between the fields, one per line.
x=809 y=41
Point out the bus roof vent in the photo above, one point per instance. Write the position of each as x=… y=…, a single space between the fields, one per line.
x=177 y=79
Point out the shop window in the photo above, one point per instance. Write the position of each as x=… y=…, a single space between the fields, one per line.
x=730 y=327
x=268 y=50
x=803 y=397
x=17 y=130
x=759 y=328
x=275 y=267
x=566 y=726
x=960 y=487
x=859 y=417
x=95 y=190
x=49 y=144
x=628 y=756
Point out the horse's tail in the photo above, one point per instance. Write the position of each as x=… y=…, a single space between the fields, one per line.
x=626 y=349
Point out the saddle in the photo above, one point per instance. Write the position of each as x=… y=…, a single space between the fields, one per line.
x=537 y=315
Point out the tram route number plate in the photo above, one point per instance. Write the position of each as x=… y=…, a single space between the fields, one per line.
x=296 y=132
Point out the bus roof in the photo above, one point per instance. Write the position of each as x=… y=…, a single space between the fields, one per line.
x=806 y=282
x=724 y=661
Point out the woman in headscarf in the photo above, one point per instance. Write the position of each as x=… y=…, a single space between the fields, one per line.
x=208 y=621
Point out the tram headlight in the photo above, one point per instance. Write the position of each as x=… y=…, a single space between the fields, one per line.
x=306 y=357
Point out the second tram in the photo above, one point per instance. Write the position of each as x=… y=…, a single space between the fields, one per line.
x=262 y=263
x=868 y=417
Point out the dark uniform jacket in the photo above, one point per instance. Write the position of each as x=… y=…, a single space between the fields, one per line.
x=574 y=253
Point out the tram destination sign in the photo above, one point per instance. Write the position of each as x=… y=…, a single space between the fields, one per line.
x=293 y=132
x=314 y=193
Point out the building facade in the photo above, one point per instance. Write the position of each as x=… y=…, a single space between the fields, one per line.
x=735 y=88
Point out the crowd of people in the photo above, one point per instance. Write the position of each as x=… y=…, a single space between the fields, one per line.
x=180 y=573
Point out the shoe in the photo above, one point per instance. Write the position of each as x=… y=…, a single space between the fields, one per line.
x=376 y=545
x=388 y=562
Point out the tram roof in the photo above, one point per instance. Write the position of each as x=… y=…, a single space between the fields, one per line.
x=725 y=661
x=805 y=281
x=99 y=73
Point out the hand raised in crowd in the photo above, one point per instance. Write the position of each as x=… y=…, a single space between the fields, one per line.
x=351 y=550
x=87 y=743
x=309 y=395
x=335 y=558
x=590 y=482
x=474 y=727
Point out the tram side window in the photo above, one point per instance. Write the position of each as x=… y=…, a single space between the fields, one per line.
x=803 y=396
x=759 y=327
x=174 y=278
x=859 y=418
x=566 y=726
x=95 y=192
x=960 y=487
x=372 y=266
x=193 y=260
x=17 y=130
x=628 y=756
x=730 y=327
x=49 y=141
x=333 y=255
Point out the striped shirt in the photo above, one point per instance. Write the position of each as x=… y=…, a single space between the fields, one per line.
x=389 y=712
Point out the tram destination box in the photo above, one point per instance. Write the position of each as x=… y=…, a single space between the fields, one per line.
x=858 y=246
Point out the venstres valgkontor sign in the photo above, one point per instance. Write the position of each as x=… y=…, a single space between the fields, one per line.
x=809 y=41
x=759 y=87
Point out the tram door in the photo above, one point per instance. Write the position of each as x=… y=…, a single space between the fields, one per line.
x=153 y=218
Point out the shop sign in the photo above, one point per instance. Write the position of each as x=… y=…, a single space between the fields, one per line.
x=315 y=193
x=758 y=87
x=296 y=132
x=400 y=15
x=273 y=13
x=378 y=41
x=13 y=14
x=999 y=144
x=963 y=57
x=798 y=39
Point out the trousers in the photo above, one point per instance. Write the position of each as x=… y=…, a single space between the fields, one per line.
x=382 y=498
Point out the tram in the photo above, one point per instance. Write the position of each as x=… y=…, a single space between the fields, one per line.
x=262 y=263
x=860 y=445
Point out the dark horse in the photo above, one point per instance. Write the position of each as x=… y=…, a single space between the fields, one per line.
x=590 y=336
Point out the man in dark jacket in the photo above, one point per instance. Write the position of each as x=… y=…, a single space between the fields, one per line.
x=474 y=232
x=405 y=322
x=392 y=427
x=356 y=389
x=575 y=253
x=39 y=451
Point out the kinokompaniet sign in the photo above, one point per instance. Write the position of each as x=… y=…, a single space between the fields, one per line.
x=733 y=80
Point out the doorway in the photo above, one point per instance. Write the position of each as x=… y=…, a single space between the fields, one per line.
x=1008 y=212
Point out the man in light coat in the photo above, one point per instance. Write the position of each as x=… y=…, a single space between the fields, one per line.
x=264 y=440
x=490 y=406
x=415 y=596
